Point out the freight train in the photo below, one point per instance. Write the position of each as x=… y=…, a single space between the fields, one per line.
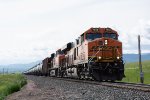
x=96 y=55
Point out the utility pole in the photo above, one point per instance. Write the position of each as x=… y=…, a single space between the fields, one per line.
x=140 y=64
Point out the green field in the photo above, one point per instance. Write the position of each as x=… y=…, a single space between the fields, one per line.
x=132 y=72
x=11 y=83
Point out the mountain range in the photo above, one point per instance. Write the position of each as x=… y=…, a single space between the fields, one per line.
x=12 y=68
x=135 y=57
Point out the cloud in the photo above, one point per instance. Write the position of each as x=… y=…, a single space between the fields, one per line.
x=33 y=29
x=130 y=39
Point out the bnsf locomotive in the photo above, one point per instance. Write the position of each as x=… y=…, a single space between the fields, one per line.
x=96 y=54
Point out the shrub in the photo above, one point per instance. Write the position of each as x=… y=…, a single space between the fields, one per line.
x=11 y=83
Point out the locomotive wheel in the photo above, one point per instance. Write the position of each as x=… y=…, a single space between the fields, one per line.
x=63 y=74
x=82 y=76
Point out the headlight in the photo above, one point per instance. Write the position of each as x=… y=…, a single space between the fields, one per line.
x=106 y=42
x=99 y=57
x=118 y=57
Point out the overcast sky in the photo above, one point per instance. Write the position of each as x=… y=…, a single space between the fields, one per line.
x=31 y=30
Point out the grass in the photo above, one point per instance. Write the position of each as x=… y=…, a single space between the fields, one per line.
x=10 y=83
x=132 y=72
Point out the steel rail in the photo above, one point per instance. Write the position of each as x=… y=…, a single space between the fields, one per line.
x=123 y=85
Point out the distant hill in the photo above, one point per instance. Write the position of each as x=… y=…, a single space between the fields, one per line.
x=135 y=57
x=12 y=68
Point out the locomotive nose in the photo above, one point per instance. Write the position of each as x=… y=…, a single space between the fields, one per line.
x=105 y=49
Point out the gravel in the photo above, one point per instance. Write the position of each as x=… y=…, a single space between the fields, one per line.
x=54 y=89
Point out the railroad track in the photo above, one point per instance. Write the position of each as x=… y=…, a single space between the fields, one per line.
x=134 y=86
x=123 y=85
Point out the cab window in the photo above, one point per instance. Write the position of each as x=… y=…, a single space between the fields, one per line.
x=111 y=35
x=92 y=36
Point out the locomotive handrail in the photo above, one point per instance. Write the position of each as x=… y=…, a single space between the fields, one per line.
x=93 y=55
x=92 y=58
x=118 y=52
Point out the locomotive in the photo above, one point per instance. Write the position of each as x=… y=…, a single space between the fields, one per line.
x=96 y=55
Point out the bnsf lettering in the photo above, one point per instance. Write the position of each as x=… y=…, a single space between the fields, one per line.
x=102 y=48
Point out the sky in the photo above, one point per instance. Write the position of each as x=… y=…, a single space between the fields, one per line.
x=31 y=30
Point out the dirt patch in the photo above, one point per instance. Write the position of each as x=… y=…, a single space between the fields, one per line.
x=28 y=92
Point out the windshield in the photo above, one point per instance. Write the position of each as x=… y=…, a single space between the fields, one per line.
x=110 y=35
x=92 y=36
